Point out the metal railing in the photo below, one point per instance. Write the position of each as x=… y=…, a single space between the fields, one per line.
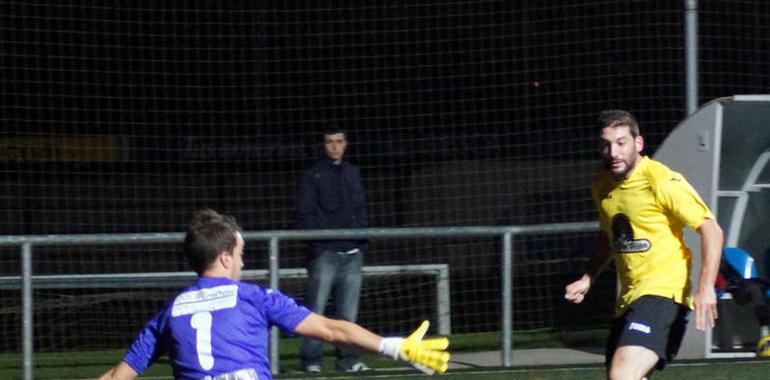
x=273 y=238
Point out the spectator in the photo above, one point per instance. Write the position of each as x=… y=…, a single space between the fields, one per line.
x=331 y=197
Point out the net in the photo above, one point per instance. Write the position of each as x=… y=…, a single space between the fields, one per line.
x=128 y=116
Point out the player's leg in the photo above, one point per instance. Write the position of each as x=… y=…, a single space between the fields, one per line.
x=616 y=357
x=347 y=291
x=321 y=273
x=645 y=338
x=632 y=362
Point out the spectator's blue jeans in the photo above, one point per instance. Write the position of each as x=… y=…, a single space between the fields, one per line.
x=339 y=273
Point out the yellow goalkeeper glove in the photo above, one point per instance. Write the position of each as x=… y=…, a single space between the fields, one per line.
x=428 y=355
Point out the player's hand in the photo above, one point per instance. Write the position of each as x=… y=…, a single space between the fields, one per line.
x=705 y=309
x=576 y=291
x=427 y=355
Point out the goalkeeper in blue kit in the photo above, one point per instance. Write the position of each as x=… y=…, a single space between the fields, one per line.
x=218 y=328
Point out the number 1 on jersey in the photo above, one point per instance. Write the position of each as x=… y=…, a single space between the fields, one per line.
x=201 y=322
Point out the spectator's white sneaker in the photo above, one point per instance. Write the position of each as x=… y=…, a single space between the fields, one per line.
x=358 y=367
x=313 y=368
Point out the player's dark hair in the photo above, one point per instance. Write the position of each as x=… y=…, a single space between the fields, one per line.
x=208 y=234
x=613 y=118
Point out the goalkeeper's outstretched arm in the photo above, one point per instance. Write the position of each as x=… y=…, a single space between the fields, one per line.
x=427 y=355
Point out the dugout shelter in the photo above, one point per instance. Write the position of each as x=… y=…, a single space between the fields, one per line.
x=723 y=150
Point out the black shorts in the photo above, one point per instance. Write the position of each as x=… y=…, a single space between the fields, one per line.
x=653 y=322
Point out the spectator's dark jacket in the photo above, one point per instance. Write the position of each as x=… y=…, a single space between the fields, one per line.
x=331 y=197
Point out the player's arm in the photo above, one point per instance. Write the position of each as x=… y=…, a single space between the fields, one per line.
x=712 y=238
x=142 y=352
x=427 y=355
x=576 y=291
x=344 y=334
x=122 y=371
x=683 y=201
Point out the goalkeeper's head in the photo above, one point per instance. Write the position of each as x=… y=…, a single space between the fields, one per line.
x=214 y=245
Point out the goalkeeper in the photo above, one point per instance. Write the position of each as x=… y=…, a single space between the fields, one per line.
x=218 y=328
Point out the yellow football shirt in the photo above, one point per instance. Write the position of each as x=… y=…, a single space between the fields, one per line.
x=643 y=218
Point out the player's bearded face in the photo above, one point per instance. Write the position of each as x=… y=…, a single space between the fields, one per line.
x=620 y=150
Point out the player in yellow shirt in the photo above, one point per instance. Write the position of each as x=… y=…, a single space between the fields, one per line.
x=643 y=209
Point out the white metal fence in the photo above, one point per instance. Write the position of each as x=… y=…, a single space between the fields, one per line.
x=27 y=281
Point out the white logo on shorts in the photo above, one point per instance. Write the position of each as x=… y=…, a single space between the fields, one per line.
x=640 y=327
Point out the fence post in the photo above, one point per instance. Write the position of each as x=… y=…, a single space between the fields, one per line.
x=275 y=365
x=27 y=317
x=507 y=300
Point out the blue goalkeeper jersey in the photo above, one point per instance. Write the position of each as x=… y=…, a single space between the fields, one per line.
x=216 y=326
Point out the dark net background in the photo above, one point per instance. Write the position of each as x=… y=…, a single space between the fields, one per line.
x=125 y=116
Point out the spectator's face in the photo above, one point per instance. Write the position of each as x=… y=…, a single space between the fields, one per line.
x=237 y=258
x=335 y=145
x=620 y=150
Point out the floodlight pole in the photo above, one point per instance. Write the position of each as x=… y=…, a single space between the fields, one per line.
x=691 y=56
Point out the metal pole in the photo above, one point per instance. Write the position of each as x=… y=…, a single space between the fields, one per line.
x=691 y=56
x=275 y=365
x=507 y=301
x=443 y=303
x=27 y=317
